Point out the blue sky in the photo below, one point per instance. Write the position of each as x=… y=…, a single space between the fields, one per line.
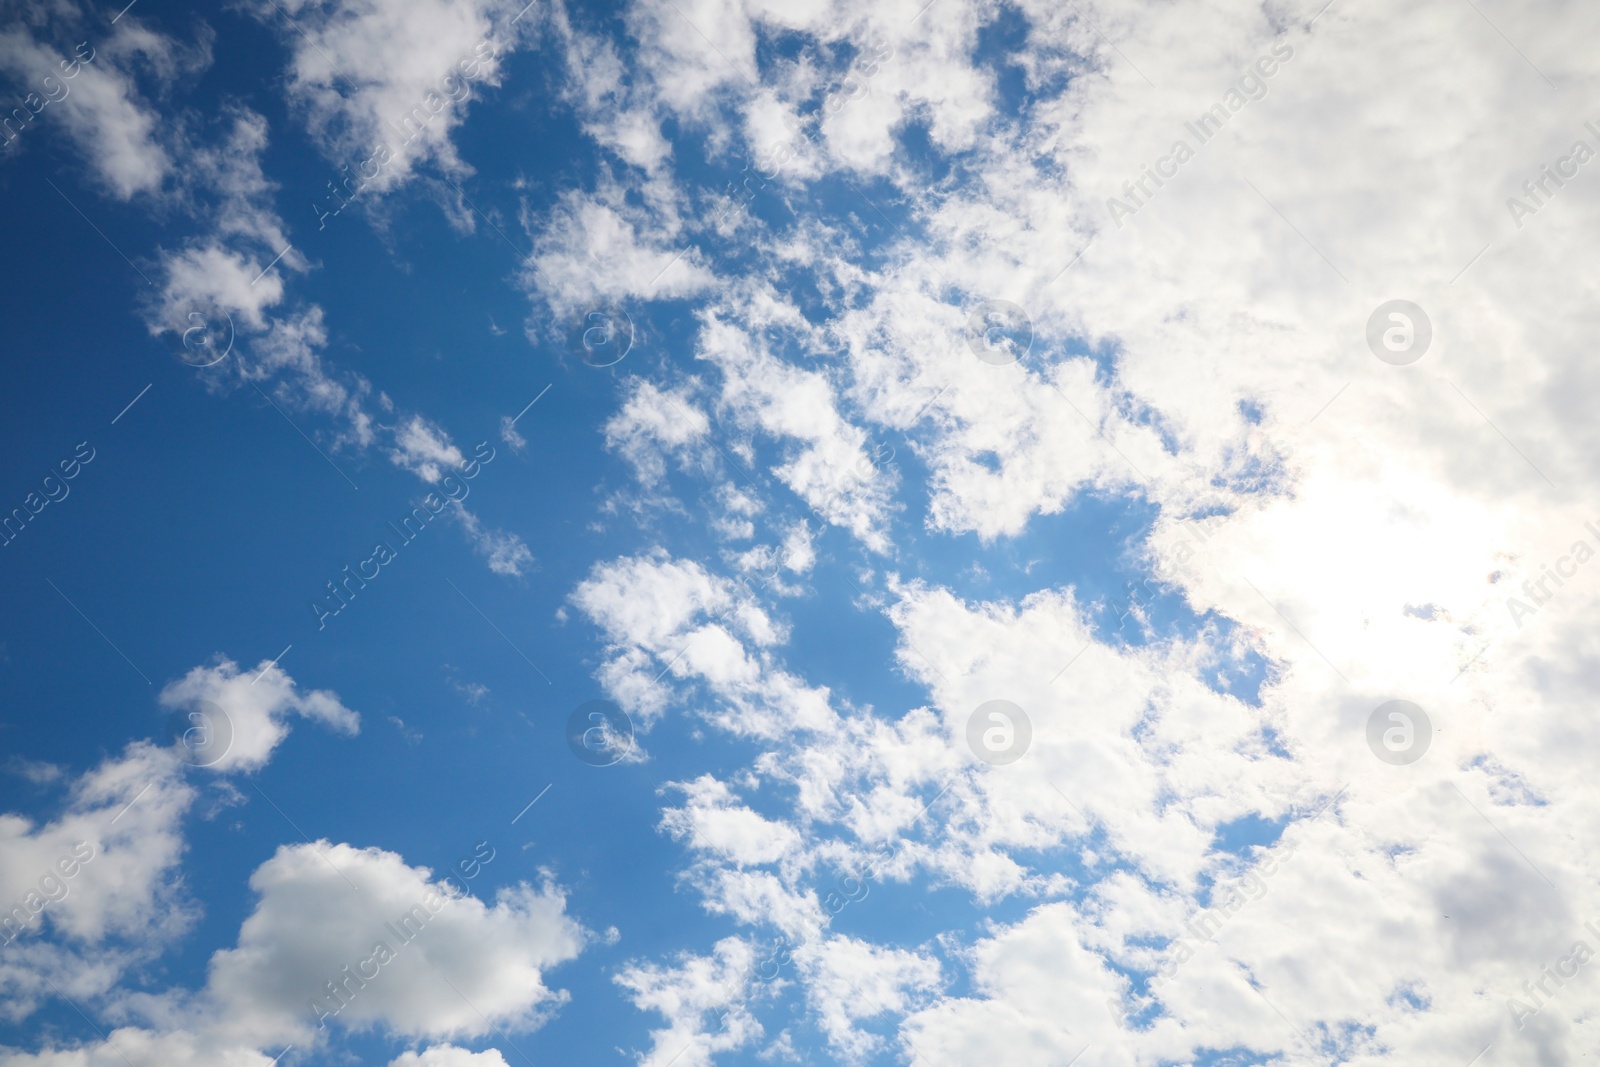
x=800 y=535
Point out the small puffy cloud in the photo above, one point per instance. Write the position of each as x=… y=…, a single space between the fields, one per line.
x=712 y=821
x=849 y=980
x=653 y=425
x=425 y=449
x=506 y=552
x=597 y=248
x=255 y=705
x=665 y=616
x=361 y=937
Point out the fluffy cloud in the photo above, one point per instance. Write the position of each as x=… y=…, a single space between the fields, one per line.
x=712 y=822
x=373 y=73
x=450 y=964
x=654 y=609
x=92 y=92
x=255 y=707
x=653 y=425
x=706 y=1001
x=592 y=249
x=94 y=890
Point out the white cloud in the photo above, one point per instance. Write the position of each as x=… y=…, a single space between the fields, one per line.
x=425 y=449
x=449 y=1056
x=323 y=908
x=594 y=249
x=1388 y=542
x=664 y=617
x=849 y=980
x=131 y=1044
x=96 y=889
x=506 y=552
x=706 y=1001
x=255 y=705
x=99 y=106
x=712 y=821
x=654 y=425
x=367 y=73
